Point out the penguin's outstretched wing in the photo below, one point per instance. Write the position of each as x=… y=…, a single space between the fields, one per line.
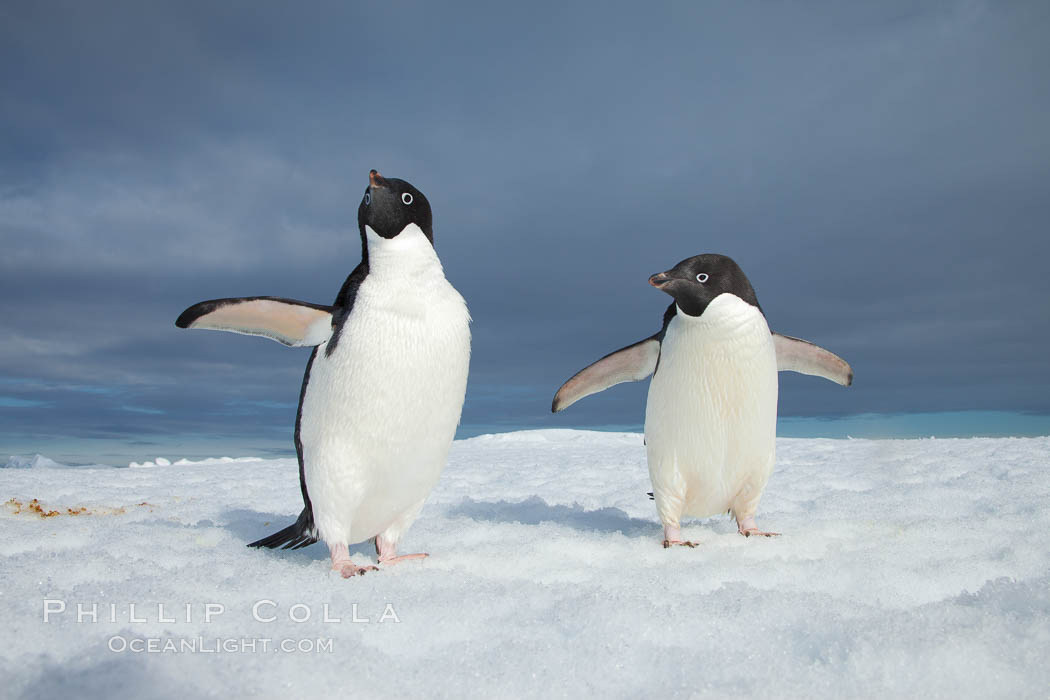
x=293 y=323
x=630 y=364
x=797 y=355
x=636 y=362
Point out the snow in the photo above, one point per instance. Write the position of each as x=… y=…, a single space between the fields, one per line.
x=906 y=568
x=39 y=461
x=162 y=462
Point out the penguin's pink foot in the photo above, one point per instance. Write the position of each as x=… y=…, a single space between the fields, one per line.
x=351 y=569
x=672 y=538
x=387 y=553
x=402 y=557
x=747 y=528
x=758 y=533
x=342 y=563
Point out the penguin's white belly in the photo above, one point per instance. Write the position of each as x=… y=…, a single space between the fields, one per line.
x=380 y=413
x=710 y=418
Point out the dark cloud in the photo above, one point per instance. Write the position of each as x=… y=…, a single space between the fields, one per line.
x=878 y=170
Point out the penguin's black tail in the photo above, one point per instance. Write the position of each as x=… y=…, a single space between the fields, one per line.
x=299 y=534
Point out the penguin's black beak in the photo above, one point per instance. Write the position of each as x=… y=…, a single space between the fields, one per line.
x=659 y=280
x=375 y=179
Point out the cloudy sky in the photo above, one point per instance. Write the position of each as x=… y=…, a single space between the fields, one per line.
x=880 y=170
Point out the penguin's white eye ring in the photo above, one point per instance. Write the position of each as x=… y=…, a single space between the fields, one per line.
x=702 y=277
x=406 y=198
x=368 y=198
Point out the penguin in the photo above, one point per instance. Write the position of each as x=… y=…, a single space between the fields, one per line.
x=383 y=388
x=711 y=411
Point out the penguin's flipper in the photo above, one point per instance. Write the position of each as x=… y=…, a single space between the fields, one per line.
x=630 y=364
x=293 y=323
x=797 y=355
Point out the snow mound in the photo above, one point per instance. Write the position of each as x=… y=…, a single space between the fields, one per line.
x=39 y=461
x=210 y=461
x=553 y=435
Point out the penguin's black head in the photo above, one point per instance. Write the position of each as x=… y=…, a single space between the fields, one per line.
x=389 y=205
x=695 y=282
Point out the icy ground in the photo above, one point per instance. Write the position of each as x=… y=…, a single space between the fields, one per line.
x=916 y=568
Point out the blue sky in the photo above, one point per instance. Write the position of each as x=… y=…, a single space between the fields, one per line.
x=879 y=170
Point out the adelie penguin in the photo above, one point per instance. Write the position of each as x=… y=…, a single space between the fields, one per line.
x=384 y=386
x=711 y=414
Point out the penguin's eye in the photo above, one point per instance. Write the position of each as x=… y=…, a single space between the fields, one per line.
x=702 y=278
x=406 y=198
x=368 y=198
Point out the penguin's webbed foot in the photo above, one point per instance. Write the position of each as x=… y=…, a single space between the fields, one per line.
x=386 y=551
x=342 y=563
x=348 y=569
x=672 y=538
x=748 y=528
x=402 y=557
x=754 y=531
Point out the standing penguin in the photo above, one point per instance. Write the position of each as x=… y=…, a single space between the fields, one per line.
x=711 y=414
x=384 y=386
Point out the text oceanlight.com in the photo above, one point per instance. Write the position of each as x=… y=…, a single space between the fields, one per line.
x=219 y=645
